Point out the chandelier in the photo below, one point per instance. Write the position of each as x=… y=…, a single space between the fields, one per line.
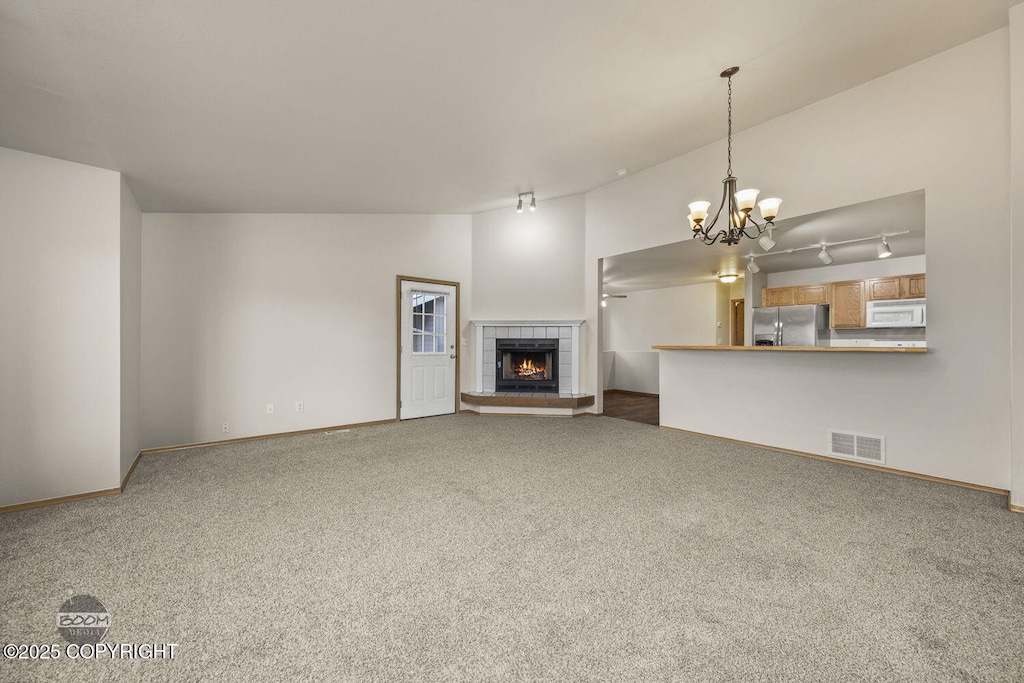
x=738 y=204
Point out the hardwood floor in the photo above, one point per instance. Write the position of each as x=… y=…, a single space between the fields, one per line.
x=632 y=406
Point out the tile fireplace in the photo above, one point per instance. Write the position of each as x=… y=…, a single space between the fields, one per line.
x=553 y=345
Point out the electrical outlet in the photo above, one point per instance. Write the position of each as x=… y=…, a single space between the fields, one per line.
x=270 y=409
x=224 y=428
x=299 y=407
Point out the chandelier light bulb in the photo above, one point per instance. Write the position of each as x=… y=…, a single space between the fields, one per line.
x=766 y=241
x=825 y=257
x=883 y=249
x=769 y=208
x=752 y=266
x=699 y=211
x=745 y=200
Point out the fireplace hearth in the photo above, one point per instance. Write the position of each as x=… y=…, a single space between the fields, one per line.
x=526 y=365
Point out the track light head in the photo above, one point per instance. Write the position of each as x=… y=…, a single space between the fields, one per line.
x=883 y=249
x=522 y=196
x=766 y=241
x=753 y=267
x=825 y=257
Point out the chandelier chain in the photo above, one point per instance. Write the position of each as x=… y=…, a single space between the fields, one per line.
x=730 y=127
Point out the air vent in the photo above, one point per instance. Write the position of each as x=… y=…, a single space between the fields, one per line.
x=853 y=446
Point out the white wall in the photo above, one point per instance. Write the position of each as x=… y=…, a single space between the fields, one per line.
x=722 y=292
x=1017 y=246
x=242 y=310
x=131 y=329
x=906 y=265
x=59 y=340
x=889 y=136
x=672 y=315
x=529 y=265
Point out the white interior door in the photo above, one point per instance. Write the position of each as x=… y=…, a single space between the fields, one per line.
x=429 y=351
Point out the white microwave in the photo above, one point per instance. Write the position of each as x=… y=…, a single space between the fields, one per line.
x=896 y=313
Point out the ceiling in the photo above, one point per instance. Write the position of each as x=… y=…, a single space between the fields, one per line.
x=450 y=106
x=690 y=262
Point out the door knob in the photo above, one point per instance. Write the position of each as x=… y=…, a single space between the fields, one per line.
x=452 y=356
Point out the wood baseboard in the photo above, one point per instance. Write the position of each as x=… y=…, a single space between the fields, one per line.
x=1014 y=508
x=62 y=499
x=260 y=437
x=631 y=393
x=862 y=465
x=131 y=471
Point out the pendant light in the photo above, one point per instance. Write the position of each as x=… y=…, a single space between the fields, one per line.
x=737 y=204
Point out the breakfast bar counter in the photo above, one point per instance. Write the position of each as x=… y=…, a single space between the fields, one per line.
x=827 y=349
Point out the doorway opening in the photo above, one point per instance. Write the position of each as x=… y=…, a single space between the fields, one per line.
x=737 y=318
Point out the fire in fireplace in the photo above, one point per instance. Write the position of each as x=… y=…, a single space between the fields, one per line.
x=526 y=365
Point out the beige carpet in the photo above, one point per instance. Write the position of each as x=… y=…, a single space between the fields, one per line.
x=485 y=548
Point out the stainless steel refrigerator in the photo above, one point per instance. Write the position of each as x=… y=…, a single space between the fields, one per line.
x=805 y=325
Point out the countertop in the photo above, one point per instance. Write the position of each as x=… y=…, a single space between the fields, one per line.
x=825 y=349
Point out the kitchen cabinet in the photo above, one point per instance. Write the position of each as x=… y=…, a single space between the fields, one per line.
x=777 y=296
x=810 y=294
x=795 y=296
x=846 y=302
x=883 y=288
x=896 y=287
x=912 y=286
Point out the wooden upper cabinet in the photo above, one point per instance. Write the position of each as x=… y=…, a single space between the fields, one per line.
x=811 y=294
x=896 y=287
x=912 y=286
x=777 y=296
x=847 y=304
x=795 y=296
x=883 y=288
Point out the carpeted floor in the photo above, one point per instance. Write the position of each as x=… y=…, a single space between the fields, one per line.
x=488 y=548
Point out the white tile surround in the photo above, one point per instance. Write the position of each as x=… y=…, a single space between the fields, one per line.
x=567 y=332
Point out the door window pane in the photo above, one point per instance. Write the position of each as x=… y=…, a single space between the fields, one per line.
x=429 y=321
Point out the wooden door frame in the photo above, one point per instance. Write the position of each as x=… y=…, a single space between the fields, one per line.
x=399 y=279
x=732 y=320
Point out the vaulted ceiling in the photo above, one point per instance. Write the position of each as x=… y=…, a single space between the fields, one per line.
x=403 y=106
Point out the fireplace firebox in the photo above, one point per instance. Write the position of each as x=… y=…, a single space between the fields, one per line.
x=526 y=365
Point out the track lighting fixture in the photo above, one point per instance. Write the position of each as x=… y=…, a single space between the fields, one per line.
x=766 y=241
x=533 y=202
x=883 y=249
